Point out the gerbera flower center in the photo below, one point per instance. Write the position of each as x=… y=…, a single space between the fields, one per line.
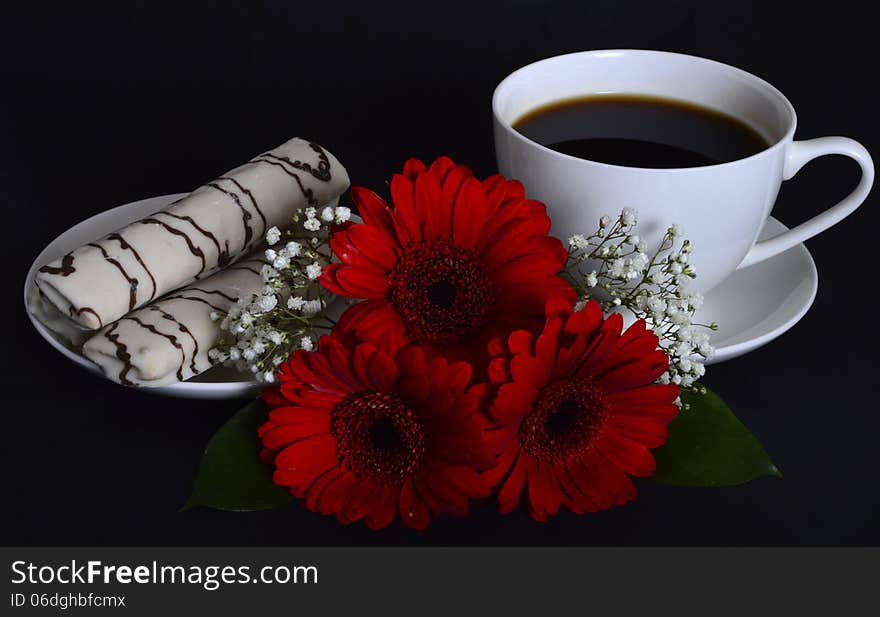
x=378 y=436
x=442 y=292
x=564 y=420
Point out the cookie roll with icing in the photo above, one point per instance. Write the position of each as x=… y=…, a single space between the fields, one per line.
x=210 y=228
x=168 y=341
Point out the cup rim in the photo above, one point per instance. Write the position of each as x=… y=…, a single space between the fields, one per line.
x=779 y=143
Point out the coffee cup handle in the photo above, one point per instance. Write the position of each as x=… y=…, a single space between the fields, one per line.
x=799 y=154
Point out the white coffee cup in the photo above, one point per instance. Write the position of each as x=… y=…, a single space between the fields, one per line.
x=721 y=207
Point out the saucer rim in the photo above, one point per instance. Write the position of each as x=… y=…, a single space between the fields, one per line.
x=732 y=351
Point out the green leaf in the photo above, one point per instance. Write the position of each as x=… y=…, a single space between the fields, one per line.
x=231 y=475
x=709 y=446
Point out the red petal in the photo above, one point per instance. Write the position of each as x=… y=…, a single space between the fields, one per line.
x=373 y=210
x=305 y=450
x=413 y=167
x=374 y=321
x=361 y=499
x=383 y=372
x=361 y=282
x=498 y=371
x=511 y=491
x=612 y=479
x=332 y=498
x=448 y=195
x=655 y=401
x=384 y=510
x=638 y=373
x=450 y=501
x=603 y=343
x=406 y=221
x=643 y=430
x=589 y=483
x=279 y=436
x=530 y=210
x=441 y=167
x=469 y=213
x=374 y=244
x=512 y=402
x=413 y=511
x=525 y=368
x=630 y=456
x=520 y=341
x=573 y=498
x=427 y=201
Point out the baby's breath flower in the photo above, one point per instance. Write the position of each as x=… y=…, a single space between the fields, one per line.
x=313 y=271
x=343 y=214
x=267 y=303
x=578 y=241
x=654 y=287
x=282 y=262
x=294 y=249
x=268 y=273
x=592 y=279
x=273 y=235
x=260 y=331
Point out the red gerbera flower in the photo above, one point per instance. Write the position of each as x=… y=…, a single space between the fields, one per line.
x=365 y=434
x=452 y=263
x=577 y=410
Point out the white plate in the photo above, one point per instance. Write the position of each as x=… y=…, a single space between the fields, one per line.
x=753 y=306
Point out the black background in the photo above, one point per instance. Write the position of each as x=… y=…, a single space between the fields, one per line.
x=103 y=105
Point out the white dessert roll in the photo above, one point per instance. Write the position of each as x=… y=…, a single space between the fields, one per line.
x=213 y=226
x=168 y=341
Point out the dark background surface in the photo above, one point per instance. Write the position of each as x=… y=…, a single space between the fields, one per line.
x=105 y=105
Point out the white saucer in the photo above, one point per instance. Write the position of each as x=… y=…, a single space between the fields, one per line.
x=757 y=304
x=216 y=383
x=753 y=306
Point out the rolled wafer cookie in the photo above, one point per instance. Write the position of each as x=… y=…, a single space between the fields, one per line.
x=168 y=340
x=193 y=237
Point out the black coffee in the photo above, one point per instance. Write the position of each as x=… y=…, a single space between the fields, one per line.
x=640 y=131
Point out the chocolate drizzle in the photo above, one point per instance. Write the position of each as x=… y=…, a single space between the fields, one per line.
x=321 y=173
x=171 y=338
x=247 y=191
x=195 y=250
x=125 y=246
x=241 y=267
x=86 y=309
x=223 y=257
x=185 y=330
x=307 y=193
x=121 y=353
x=66 y=268
x=132 y=281
x=194 y=299
x=245 y=215
x=213 y=291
